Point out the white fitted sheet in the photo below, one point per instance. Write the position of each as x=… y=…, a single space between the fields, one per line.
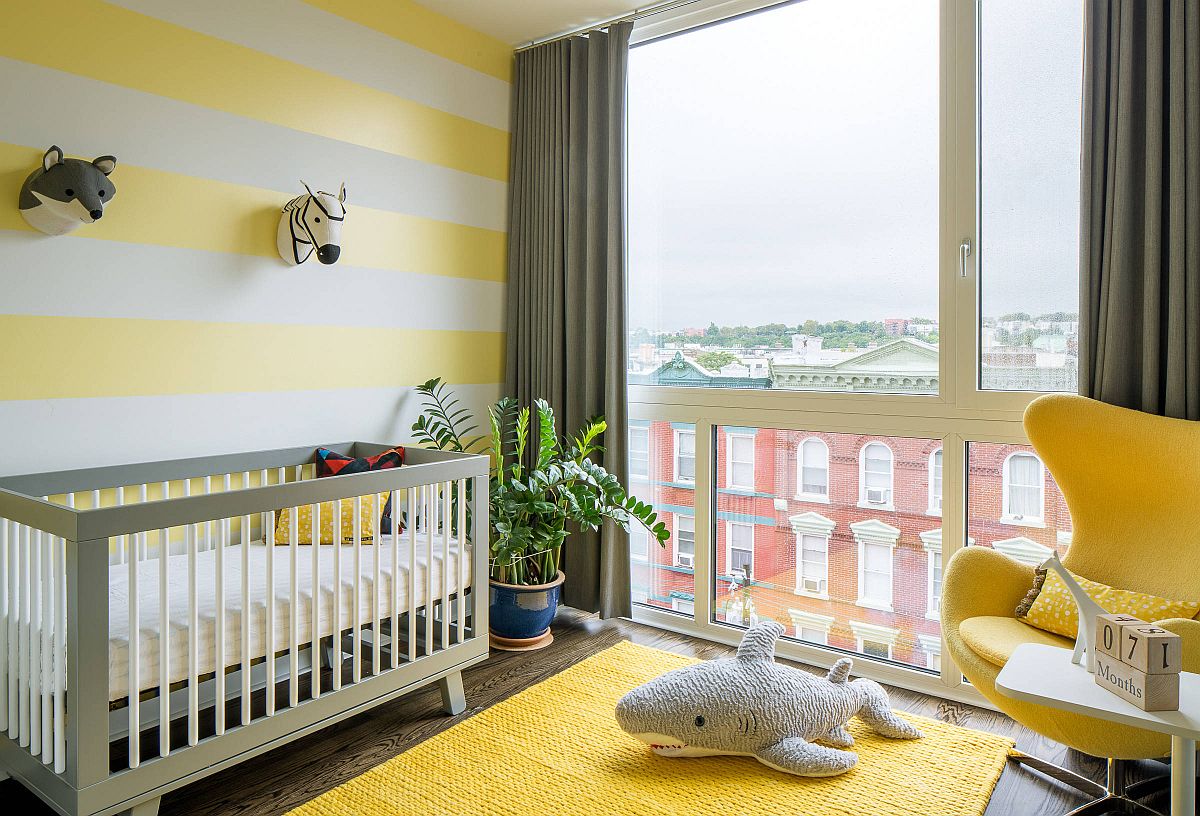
x=206 y=596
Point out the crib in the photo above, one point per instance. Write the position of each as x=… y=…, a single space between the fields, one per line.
x=153 y=630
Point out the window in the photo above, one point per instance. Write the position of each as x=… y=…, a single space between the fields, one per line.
x=935 y=483
x=685 y=456
x=1024 y=485
x=812 y=576
x=811 y=635
x=933 y=603
x=639 y=452
x=639 y=542
x=740 y=549
x=931 y=645
x=740 y=458
x=685 y=542
x=684 y=606
x=812 y=477
x=799 y=266
x=875 y=482
x=1030 y=56
x=874 y=648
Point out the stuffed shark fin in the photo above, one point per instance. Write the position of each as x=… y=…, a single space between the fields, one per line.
x=759 y=642
x=796 y=756
x=840 y=671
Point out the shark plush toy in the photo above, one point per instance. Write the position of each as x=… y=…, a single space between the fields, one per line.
x=749 y=705
x=64 y=193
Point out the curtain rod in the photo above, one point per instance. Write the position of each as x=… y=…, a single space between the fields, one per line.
x=631 y=16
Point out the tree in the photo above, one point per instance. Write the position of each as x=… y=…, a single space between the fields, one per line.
x=715 y=360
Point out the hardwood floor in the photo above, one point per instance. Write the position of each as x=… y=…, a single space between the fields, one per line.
x=282 y=779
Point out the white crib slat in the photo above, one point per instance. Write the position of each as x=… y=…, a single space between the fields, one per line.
x=15 y=595
x=447 y=515
x=191 y=533
x=315 y=639
x=412 y=573
x=430 y=532
x=270 y=604
x=35 y=643
x=246 y=611
x=23 y=645
x=208 y=525
x=60 y=655
x=46 y=675
x=356 y=615
x=375 y=556
x=4 y=622
x=220 y=622
x=164 y=641
x=461 y=561
x=135 y=657
x=143 y=538
x=120 y=502
x=293 y=609
x=395 y=582
x=335 y=643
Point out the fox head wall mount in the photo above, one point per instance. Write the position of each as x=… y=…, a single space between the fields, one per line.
x=64 y=193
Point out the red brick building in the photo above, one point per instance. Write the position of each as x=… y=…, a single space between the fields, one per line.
x=840 y=533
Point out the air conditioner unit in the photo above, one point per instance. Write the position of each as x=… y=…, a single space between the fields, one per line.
x=815 y=585
x=878 y=495
x=685 y=560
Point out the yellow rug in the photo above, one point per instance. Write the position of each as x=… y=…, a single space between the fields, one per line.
x=555 y=748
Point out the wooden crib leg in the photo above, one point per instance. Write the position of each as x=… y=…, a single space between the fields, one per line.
x=147 y=808
x=454 y=699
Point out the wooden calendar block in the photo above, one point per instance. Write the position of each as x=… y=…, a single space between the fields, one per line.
x=1151 y=649
x=1108 y=632
x=1149 y=692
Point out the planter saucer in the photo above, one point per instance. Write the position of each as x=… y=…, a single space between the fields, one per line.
x=521 y=644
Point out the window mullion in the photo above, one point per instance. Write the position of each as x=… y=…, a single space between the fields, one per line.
x=705 y=492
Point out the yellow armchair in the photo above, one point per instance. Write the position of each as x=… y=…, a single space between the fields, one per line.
x=1132 y=483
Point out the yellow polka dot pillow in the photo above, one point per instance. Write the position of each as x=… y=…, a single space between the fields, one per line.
x=1049 y=605
x=368 y=520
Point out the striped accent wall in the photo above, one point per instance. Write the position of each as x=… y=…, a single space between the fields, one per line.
x=171 y=327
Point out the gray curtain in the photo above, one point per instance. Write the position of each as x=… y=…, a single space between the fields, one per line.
x=1139 y=338
x=566 y=268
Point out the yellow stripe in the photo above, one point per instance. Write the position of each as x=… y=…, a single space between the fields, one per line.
x=419 y=26
x=112 y=44
x=170 y=209
x=62 y=357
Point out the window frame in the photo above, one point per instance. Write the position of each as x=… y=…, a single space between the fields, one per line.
x=1006 y=485
x=890 y=504
x=960 y=413
x=801 y=493
x=676 y=435
x=730 y=440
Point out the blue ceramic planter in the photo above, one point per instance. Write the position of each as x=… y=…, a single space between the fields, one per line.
x=522 y=614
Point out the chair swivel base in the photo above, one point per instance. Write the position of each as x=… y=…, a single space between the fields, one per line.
x=1109 y=798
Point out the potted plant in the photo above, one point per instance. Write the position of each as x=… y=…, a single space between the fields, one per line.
x=541 y=488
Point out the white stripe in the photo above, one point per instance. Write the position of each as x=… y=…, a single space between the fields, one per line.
x=297 y=32
x=63 y=434
x=75 y=277
x=87 y=117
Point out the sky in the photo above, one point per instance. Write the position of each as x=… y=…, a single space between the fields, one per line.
x=783 y=166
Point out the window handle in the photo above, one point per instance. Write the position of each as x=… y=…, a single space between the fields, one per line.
x=964 y=252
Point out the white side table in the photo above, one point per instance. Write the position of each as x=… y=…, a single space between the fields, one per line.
x=1045 y=675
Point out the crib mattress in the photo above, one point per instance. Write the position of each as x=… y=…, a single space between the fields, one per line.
x=206 y=601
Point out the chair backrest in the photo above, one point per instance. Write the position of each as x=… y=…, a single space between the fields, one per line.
x=1132 y=483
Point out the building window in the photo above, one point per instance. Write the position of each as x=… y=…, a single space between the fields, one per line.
x=685 y=456
x=685 y=541
x=810 y=635
x=812 y=559
x=739 y=544
x=934 y=601
x=935 y=483
x=875 y=575
x=639 y=542
x=875 y=482
x=739 y=454
x=931 y=645
x=684 y=606
x=875 y=648
x=1024 y=489
x=811 y=627
x=639 y=453
x=812 y=476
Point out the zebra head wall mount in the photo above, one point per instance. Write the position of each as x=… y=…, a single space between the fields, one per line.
x=63 y=193
x=311 y=224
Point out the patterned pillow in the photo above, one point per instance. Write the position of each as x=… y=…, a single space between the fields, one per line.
x=335 y=464
x=368 y=516
x=1049 y=605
